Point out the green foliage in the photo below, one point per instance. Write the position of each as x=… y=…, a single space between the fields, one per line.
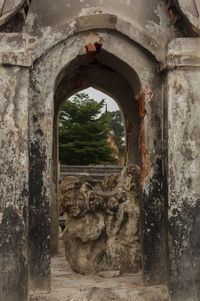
x=83 y=132
x=116 y=125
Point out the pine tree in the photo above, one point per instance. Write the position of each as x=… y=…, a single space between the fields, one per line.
x=83 y=132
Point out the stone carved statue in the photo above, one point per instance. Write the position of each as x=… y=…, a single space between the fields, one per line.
x=102 y=229
x=84 y=228
x=123 y=245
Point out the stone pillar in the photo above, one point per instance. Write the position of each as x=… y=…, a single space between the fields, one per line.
x=153 y=236
x=183 y=93
x=40 y=183
x=14 y=82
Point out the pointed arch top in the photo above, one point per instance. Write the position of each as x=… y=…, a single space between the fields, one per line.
x=96 y=22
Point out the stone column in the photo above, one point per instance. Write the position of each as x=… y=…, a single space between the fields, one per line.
x=40 y=182
x=14 y=82
x=183 y=98
x=153 y=236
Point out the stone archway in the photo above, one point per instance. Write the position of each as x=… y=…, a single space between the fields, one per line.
x=91 y=70
x=138 y=69
x=31 y=59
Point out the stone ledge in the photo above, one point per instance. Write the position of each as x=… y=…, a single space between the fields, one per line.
x=182 y=52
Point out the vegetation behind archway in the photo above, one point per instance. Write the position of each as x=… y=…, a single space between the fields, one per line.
x=87 y=135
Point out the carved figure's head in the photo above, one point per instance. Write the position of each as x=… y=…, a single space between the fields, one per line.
x=76 y=196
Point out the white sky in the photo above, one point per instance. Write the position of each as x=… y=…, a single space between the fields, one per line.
x=98 y=96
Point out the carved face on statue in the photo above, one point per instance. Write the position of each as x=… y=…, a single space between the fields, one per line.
x=77 y=197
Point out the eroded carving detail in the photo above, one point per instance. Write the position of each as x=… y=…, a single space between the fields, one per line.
x=102 y=229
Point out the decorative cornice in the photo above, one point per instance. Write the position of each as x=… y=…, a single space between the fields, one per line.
x=182 y=52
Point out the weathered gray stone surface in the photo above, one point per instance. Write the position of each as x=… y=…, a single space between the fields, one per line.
x=184 y=175
x=102 y=230
x=13 y=183
x=151 y=28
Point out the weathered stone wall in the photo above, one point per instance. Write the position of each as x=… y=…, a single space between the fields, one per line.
x=14 y=183
x=151 y=28
x=152 y=22
x=40 y=179
x=168 y=133
x=184 y=169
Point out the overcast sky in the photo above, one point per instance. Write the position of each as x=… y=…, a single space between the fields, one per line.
x=98 y=96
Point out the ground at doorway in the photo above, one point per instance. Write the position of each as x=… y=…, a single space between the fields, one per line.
x=70 y=286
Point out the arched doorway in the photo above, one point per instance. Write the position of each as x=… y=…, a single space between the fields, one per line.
x=86 y=152
x=111 y=63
